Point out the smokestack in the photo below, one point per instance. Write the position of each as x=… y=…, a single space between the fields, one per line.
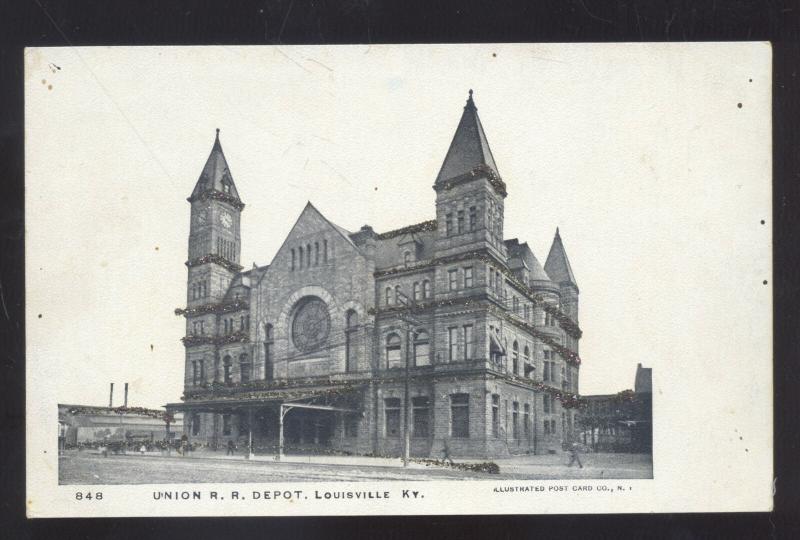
x=126 y=395
x=111 y=396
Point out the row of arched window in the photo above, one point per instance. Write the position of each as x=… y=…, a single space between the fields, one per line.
x=309 y=255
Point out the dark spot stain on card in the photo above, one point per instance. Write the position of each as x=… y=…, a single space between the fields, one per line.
x=765 y=282
x=151 y=347
x=376 y=188
x=751 y=80
x=763 y=222
x=156 y=248
x=40 y=315
x=44 y=81
x=739 y=105
x=494 y=55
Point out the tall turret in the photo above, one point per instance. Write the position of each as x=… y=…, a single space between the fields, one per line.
x=469 y=192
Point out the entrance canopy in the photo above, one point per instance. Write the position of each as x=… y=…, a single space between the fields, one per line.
x=269 y=397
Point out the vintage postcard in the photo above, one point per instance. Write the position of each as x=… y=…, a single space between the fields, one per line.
x=428 y=279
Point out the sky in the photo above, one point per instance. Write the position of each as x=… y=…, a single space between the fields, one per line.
x=642 y=155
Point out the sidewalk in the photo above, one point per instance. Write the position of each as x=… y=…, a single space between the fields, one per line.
x=594 y=465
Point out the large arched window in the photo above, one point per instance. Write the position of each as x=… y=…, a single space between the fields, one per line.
x=269 y=345
x=227 y=365
x=393 y=357
x=244 y=368
x=515 y=358
x=422 y=349
x=426 y=289
x=351 y=326
x=397 y=294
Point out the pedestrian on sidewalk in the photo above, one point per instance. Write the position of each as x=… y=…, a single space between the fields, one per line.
x=446 y=454
x=231 y=448
x=574 y=450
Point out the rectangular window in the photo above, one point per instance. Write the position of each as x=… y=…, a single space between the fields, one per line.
x=491 y=278
x=452 y=343
x=392 y=412
x=468 y=342
x=467 y=277
x=459 y=414
x=195 y=373
x=244 y=375
x=515 y=420
x=473 y=218
x=421 y=413
x=226 y=424
x=202 y=328
x=448 y=224
x=495 y=415
x=547 y=427
x=324 y=251
x=453 y=279
x=526 y=421
x=195 y=424
x=546 y=406
x=460 y=221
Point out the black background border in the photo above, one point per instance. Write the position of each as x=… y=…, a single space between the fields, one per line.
x=167 y=22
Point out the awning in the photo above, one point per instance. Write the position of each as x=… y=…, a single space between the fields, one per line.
x=261 y=397
x=495 y=344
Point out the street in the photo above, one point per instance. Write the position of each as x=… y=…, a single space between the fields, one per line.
x=90 y=468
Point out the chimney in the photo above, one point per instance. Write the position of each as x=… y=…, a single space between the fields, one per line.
x=126 y=396
x=111 y=396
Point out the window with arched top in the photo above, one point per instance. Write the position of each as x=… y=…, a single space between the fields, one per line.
x=397 y=294
x=269 y=345
x=227 y=366
x=388 y=296
x=393 y=357
x=350 y=329
x=415 y=291
x=422 y=348
x=426 y=289
x=244 y=368
x=515 y=358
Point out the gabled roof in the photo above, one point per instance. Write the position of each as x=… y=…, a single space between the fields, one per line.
x=215 y=173
x=557 y=265
x=469 y=147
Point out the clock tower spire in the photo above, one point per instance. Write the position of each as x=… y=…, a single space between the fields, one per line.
x=214 y=231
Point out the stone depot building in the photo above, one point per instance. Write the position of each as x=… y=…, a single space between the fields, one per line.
x=317 y=350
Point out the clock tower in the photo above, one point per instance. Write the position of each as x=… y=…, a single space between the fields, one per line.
x=214 y=231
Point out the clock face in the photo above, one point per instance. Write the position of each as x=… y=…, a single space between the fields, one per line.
x=226 y=220
x=311 y=325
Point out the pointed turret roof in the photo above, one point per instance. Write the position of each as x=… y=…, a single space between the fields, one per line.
x=216 y=175
x=557 y=265
x=469 y=148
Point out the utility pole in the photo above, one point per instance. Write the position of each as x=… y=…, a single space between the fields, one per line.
x=410 y=321
x=406 y=429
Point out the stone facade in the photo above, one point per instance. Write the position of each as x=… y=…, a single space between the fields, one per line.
x=484 y=336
